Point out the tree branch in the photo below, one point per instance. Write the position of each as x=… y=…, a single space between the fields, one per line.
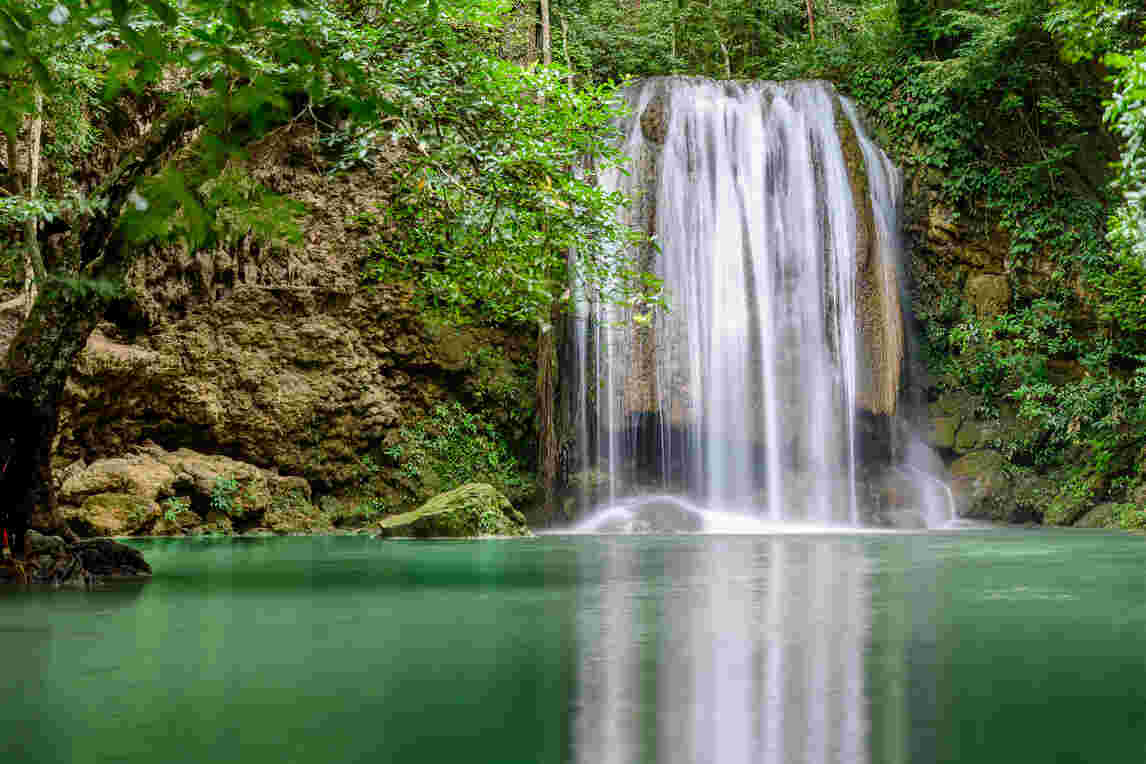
x=96 y=251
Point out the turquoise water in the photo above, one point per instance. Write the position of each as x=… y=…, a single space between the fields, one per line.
x=999 y=646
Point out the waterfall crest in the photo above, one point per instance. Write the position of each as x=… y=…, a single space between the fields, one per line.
x=776 y=230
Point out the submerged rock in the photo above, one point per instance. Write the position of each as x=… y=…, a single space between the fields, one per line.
x=474 y=509
x=655 y=517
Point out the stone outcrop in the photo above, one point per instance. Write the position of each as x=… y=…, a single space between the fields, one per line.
x=987 y=487
x=276 y=354
x=878 y=309
x=158 y=492
x=958 y=425
x=52 y=561
x=474 y=509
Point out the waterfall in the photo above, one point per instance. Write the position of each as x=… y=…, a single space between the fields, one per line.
x=775 y=230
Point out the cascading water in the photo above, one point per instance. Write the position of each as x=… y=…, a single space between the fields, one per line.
x=776 y=220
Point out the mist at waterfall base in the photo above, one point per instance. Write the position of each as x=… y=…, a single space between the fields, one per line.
x=772 y=392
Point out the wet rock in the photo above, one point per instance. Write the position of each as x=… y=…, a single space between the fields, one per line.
x=36 y=544
x=586 y=488
x=474 y=509
x=654 y=119
x=655 y=517
x=110 y=559
x=988 y=487
x=981 y=486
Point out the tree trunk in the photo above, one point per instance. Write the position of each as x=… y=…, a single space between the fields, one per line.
x=811 y=18
x=565 y=47
x=31 y=385
x=43 y=352
x=33 y=263
x=546 y=36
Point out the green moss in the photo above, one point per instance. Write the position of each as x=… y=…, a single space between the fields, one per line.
x=475 y=509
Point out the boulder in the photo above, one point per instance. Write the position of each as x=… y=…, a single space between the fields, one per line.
x=139 y=474
x=292 y=512
x=942 y=432
x=981 y=486
x=988 y=487
x=474 y=509
x=110 y=559
x=111 y=514
x=1104 y=515
x=183 y=492
x=36 y=543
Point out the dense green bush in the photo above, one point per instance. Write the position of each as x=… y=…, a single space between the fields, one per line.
x=452 y=446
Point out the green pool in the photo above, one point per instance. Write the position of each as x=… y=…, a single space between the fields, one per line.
x=973 y=646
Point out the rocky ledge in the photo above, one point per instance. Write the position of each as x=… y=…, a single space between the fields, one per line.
x=53 y=561
x=174 y=493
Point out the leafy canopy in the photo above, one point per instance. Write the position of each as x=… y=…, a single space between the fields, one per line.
x=487 y=196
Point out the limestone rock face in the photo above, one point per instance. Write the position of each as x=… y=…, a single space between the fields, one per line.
x=276 y=355
x=138 y=475
x=957 y=425
x=654 y=119
x=160 y=492
x=300 y=382
x=474 y=509
x=989 y=294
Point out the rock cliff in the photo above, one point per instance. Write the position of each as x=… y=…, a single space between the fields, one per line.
x=277 y=354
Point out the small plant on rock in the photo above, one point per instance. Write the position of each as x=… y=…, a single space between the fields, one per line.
x=223 y=494
x=173 y=507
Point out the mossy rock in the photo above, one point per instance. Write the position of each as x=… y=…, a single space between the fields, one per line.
x=474 y=509
x=981 y=487
x=111 y=514
x=942 y=432
x=1069 y=505
x=1105 y=515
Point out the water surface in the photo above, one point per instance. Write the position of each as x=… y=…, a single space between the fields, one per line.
x=997 y=646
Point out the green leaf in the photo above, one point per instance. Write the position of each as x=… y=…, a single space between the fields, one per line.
x=164 y=11
x=119 y=9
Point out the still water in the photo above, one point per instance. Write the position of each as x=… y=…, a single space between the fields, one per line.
x=976 y=646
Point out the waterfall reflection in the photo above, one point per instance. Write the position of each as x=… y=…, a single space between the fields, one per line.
x=734 y=650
